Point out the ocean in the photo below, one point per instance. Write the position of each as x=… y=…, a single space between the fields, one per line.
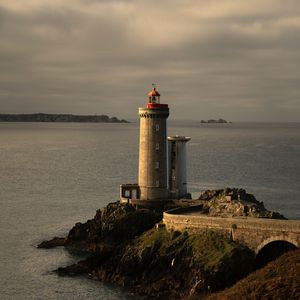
x=53 y=175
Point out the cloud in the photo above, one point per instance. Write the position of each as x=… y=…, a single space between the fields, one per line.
x=210 y=57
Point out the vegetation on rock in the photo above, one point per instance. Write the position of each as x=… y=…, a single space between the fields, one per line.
x=278 y=280
x=175 y=265
x=153 y=261
x=170 y=265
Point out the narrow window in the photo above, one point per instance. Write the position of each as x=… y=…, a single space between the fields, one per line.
x=157 y=127
x=134 y=194
x=156 y=164
x=174 y=174
x=157 y=183
x=157 y=146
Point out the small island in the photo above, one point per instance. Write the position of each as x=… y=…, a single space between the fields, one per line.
x=212 y=121
x=134 y=249
x=41 y=117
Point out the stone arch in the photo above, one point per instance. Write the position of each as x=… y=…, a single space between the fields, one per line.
x=272 y=248
x=275 y=239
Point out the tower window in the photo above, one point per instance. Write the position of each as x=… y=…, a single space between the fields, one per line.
x=157 y=127
x=173 y=174
x=157 y=165
x=157 y=146
x=157 y=183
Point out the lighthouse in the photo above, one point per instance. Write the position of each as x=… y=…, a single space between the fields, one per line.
x=162 y=159
x=153 y=163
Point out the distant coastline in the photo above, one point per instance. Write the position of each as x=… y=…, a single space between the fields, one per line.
x=41 y=117
x=212 y=121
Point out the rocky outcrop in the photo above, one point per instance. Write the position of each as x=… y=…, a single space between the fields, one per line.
x=55 y=242
x=113 y=225
x=234 y=202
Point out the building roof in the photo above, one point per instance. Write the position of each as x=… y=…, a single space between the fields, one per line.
x=179 y=138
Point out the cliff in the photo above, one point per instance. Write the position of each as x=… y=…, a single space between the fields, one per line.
x=40 y=117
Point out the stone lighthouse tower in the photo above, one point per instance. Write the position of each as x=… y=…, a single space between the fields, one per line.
x=162 y=160
x=153 y=168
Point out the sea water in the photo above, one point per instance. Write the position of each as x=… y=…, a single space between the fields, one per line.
x=53 y=175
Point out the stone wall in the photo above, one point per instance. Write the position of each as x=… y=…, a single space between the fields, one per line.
x=254 y=232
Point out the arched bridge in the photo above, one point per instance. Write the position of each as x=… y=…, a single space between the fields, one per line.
x=256 y=233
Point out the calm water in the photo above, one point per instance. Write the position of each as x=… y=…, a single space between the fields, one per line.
x=54 y=175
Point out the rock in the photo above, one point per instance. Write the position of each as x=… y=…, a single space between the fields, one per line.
x=73 y=270
x=234 y=202
x=87 y=265
x=112 y=225
x=55 y=242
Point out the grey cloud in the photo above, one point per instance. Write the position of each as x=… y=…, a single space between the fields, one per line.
x=102 y=56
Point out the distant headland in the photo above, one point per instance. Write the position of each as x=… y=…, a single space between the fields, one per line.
x=41 y=117
x=214 y=121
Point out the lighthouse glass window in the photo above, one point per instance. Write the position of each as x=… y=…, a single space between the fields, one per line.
x=157 y=165
x=157 y=146
x=157 y=127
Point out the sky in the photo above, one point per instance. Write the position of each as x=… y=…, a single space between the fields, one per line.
x=232 y=59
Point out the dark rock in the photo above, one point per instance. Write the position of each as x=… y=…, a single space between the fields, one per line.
x=234 y=202
x=55 y=242
x=112 y=225
x=73 y=270
x=87 y=265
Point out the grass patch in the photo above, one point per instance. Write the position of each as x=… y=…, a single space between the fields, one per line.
x=210 y=248
x=207 y=248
